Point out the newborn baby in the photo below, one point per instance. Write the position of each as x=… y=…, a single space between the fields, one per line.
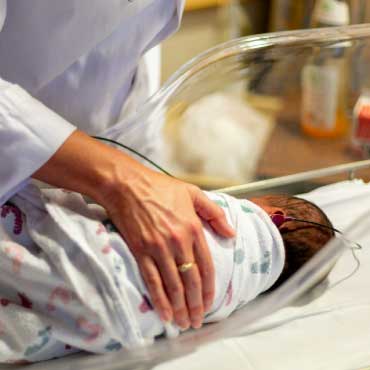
x=68 y=282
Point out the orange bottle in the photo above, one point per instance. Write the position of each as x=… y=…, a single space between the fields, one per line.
x=324 y=78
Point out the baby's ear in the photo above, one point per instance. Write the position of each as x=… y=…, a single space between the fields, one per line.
x=261 y=202
x=272 y=210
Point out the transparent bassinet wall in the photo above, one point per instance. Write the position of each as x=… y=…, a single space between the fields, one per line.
x=263 y=72
x=233 y=114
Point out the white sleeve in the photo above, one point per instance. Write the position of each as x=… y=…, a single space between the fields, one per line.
x=30 y=134
x=2 y=13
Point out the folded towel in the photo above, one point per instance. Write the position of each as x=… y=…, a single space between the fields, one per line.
x=68 y=281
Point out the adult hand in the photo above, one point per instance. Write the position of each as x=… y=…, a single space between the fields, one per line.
x=158 y=216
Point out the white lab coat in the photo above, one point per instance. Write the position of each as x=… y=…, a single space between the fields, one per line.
x=67 y=64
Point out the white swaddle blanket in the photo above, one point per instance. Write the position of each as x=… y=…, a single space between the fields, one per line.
x=68 y=281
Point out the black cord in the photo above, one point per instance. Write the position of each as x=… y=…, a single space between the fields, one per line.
x=317 y=224
x=135 y=152
x=358 y=246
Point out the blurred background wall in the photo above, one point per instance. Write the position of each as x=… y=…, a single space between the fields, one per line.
x=209 y=22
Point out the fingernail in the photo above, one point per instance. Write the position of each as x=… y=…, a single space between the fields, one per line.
x=197 y=323
x=231 y=232
x=207 y=305
x=166 y=316
x=184 y=324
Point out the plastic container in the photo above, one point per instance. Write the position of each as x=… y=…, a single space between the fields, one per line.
x=361 y=126
x=266 y=71
x=325 y=77
x=262 y=73
x=325 y=90
x=290 y=14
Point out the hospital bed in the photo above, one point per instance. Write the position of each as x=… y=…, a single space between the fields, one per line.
x=301 y=325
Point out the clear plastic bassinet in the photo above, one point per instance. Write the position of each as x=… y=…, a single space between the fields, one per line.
x=265 y=73
x=233 y=114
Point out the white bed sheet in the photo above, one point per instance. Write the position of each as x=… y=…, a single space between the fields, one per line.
x=328 y=328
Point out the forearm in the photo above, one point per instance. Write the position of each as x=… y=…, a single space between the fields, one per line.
x=85 y=165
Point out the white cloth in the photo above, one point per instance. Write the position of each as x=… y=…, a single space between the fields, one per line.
x=249 y=265
x=68 y=281
x=77 y=60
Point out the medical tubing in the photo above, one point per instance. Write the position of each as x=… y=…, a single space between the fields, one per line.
x=135 y=152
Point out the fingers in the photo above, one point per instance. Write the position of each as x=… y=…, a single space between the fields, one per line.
x=154 y=285
x=190 y=293
x=183 y=289
x=211 y=213
x=193 y=288
x=174 y=289
x=175 y=296
x=206 y=268
x=166 y=232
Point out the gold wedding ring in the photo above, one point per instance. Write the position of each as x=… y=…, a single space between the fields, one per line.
x=186 y=266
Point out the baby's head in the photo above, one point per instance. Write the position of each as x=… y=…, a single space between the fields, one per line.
x=301 y=240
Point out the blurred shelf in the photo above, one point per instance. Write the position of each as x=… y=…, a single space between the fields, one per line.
x=201 y=4
x=291 y=152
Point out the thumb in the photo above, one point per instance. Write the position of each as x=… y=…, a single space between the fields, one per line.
x=212 y=213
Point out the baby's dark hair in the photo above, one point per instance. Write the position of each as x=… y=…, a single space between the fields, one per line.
x=301 y=240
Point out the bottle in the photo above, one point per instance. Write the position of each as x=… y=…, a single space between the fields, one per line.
x=361 y=126
x=325 y=76
x=290 y=14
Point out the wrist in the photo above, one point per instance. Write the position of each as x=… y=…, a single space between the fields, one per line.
x=109 y=179
x=115 y=175
x=84 y=165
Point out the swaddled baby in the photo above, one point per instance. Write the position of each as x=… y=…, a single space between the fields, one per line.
x=68 y=281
